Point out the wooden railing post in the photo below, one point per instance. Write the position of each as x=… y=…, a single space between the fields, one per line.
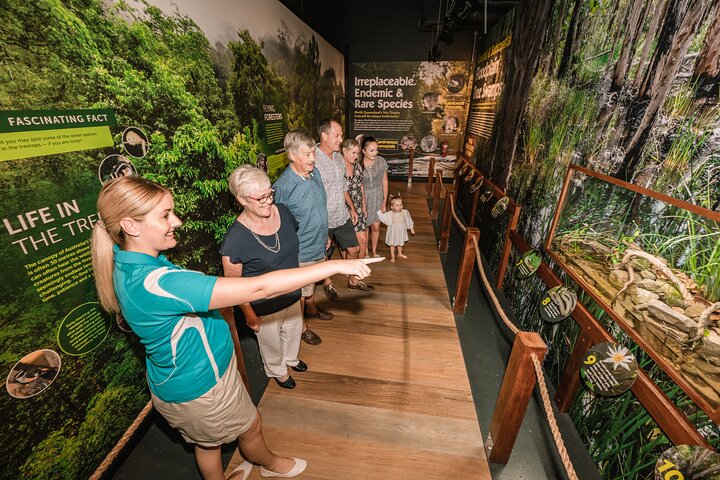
x=229 y=315
x=515 y=392
x=436 y=197
x=431 y=177
x=512 y=225
x=447 y=219
x=467 y=262
x=410 y=165
x=571 y=381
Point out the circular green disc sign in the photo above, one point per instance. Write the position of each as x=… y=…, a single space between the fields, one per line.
x=557 y=303
x=688 y=462
x=486 y=195
x=83 y=329
x=608 y=368
x=499 y=207
x=528 y=264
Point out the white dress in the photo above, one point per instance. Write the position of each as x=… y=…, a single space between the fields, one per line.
x=397 y=226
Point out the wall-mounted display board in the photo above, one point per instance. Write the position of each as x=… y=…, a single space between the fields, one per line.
x=651 y=262
x=487 y=88
x=408 y=107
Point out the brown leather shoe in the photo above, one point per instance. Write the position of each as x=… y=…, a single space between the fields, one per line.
x=330 y=292
x=310 y=337
x=361 y=286
x=321 y=314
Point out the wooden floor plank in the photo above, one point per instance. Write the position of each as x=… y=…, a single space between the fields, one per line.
x=386 y=395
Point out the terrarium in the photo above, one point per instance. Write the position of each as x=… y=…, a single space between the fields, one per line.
x=652 y=262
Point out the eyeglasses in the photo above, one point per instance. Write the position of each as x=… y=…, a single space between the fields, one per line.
x=265 y=198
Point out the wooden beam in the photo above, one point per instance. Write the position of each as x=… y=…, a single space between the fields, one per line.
x=467 y=263
x=517 y=387
x=447 y=219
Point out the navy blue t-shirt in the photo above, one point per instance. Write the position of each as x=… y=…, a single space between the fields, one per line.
x=242 y=247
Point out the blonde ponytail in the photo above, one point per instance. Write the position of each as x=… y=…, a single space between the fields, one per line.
x=121 y=197
x=103 y=266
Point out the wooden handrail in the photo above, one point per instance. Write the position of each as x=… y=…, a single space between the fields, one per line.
x=517 y=387
x=431 y=177
x=437 y=190
x=467 y=263
x=410 y=165
x=446 y=219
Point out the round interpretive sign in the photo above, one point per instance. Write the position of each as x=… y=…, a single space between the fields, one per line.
x=557 y=303
x=688 y=462
x=478 y=183
x=83 y=329
x=528 y=264
x=609 y=368
x=486 y=195
x=428 y=143
x=499 y=207
x=33 y=373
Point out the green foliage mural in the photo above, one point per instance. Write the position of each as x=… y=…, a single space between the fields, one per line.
x=201 y=107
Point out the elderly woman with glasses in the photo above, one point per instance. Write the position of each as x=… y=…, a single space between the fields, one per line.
x=261 y=240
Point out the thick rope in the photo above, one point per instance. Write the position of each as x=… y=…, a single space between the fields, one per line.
x=100 y=471
x=451 y=199
x=551 y=419
x=536 y=363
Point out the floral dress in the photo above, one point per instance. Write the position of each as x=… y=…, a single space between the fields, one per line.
x=373 y=181
x=354 y=184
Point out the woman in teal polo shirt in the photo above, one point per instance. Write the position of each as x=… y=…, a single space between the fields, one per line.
x=188 y=348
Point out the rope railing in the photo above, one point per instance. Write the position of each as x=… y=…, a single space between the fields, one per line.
x=547 y=406
x=551 y=419
x=110 y=458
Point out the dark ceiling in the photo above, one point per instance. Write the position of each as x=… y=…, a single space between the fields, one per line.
x=388 y=30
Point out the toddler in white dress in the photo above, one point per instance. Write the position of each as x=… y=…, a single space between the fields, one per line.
x=398 y=222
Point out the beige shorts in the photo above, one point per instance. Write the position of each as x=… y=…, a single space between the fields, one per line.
x=219 y=416
x=309 y=290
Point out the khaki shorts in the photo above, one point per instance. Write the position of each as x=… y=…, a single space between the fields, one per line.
x=219 y=416
x=309 y=290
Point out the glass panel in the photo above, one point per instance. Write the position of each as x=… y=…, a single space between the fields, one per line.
x=655 y=267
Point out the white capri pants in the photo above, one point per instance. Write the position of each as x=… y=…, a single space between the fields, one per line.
x=279 y=340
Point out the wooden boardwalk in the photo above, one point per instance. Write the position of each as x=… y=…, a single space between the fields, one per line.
x=386 y=395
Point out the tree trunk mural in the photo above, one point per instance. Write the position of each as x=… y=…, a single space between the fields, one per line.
x=622 y=66
x=681 y=22
x=528 y=33
x=569 y=40
x=707 y=67
x=657 y=19
x=557 y=30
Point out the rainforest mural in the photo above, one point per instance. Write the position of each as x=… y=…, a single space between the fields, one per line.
x=628 y=89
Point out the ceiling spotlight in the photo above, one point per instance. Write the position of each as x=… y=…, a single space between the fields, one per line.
x=467 y=8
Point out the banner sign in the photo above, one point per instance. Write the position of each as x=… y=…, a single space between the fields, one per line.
x=32 y=133
x=410 y=107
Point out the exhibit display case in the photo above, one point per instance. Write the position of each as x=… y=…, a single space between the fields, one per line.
x=652 y=262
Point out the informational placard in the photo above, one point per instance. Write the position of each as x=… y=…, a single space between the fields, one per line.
x=528 y=264
x=398 y=103
x=32 y=133
x=487 y=92
x=609 y=368
x=557 y=303
x=688 y=462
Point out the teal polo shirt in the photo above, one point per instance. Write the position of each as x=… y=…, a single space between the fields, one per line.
x=306 y=199
x=187 y=347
